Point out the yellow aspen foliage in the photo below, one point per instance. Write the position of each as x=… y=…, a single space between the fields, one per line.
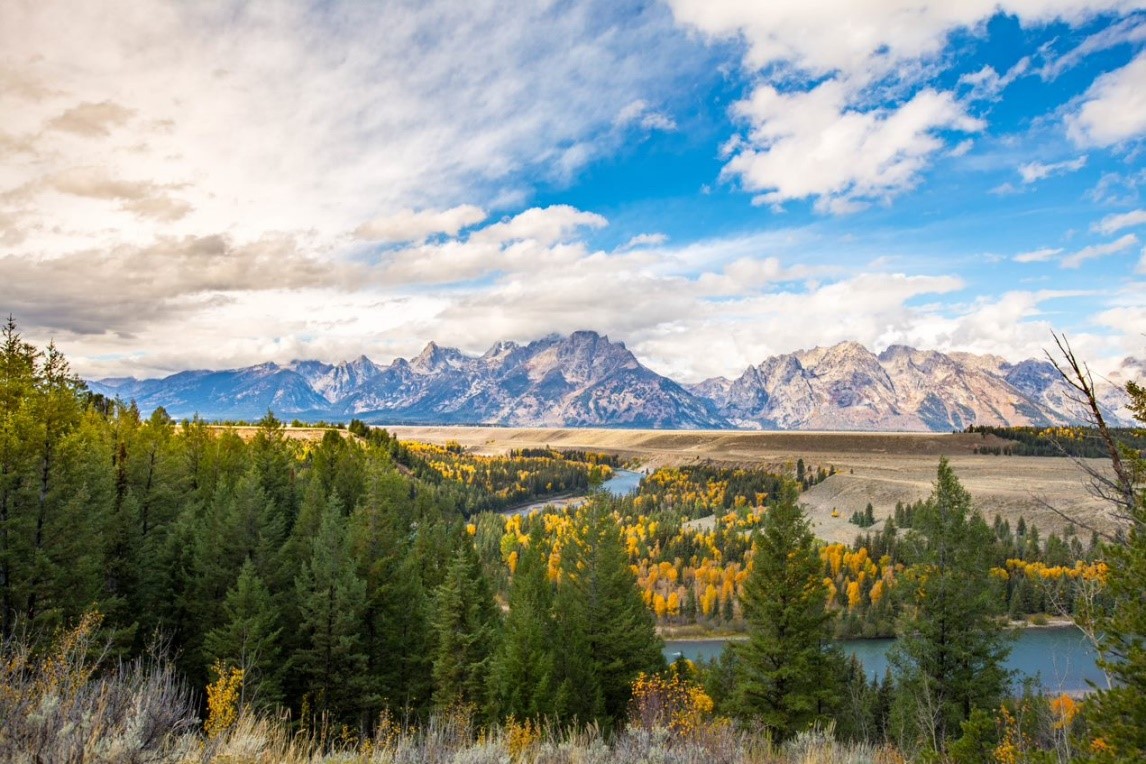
x=1064 y=709
x=833 y=555
x=554 y=568
x=672 y=606
x=708 y=600
x=660 y=606
x=522 y=739
x=671 y=703
x=833 y=592
x=223 y=699
x=725 y=591
x=1013 y=745
x=877 y=591
x=855 y=595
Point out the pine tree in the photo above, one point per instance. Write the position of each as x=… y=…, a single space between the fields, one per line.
x=249 y=639
x=949 y=657
x=466 y=626
x=331 y=663
x=18 y=360
x=396 y=636
x=608 y=611
x=787 y=674
x=523 y=672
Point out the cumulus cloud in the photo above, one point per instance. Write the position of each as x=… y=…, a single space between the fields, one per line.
x=691 y=311
x=1032 y=172
x=1113 y=109
x=411 y=225
x=315 y=116
x=122 y=288
x=546 y=226
x=1076 y=259
x=813 y=145
x=1114 y=223
x=829 y=92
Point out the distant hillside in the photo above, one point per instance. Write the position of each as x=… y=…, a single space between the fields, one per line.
x=585 y=380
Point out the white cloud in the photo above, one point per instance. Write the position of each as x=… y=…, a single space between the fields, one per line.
x=1037 y=255
x=864 y=38
x=988 y=84
x=1113 y=109
x=547 y=226
x=813 y=145
x=411 y=225
x=837 y=75
x=1099 y=250
x=312 y=116
x=1131 y=30
x=646 y=240
x=693 y=311
x=641 y=114
x=961 y=148
x=1032 y=172
x=1115 y=223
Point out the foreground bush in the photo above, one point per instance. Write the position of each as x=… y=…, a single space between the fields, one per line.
x=55 y=707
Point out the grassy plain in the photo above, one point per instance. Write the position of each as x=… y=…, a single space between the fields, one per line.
x=882 y=468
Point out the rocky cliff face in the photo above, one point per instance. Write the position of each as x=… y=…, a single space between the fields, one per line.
x=847 y=387
x=585 y=380
x=581 y=380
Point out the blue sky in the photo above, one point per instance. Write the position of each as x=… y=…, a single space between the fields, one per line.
x=711 y=181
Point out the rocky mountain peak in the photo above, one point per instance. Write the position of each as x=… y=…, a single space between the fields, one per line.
x=584 y=379
x=434 y=357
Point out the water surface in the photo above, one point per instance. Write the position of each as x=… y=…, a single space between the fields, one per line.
x=1061 y=659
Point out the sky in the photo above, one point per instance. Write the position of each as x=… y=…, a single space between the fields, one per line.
x=219 y=184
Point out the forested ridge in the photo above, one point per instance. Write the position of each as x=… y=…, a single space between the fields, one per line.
x=338 y=575
x=354 y=582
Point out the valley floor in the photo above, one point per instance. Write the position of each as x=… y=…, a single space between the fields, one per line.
x=881 y=468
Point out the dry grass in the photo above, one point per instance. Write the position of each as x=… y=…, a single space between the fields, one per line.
x=258 y=741
x=312 y=434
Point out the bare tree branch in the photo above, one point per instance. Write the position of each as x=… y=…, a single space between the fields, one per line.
x=1120 y=491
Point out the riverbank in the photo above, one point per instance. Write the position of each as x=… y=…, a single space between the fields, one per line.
x=696 y=632
x=622 y=483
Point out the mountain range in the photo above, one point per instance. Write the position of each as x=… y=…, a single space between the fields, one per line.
x=585 y=380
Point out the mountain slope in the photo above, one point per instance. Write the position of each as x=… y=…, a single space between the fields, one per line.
x=585 y=380
x=579 y=381
x=847 y=387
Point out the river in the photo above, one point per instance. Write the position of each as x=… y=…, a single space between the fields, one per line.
x=1060 y=657
x=623 y=483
